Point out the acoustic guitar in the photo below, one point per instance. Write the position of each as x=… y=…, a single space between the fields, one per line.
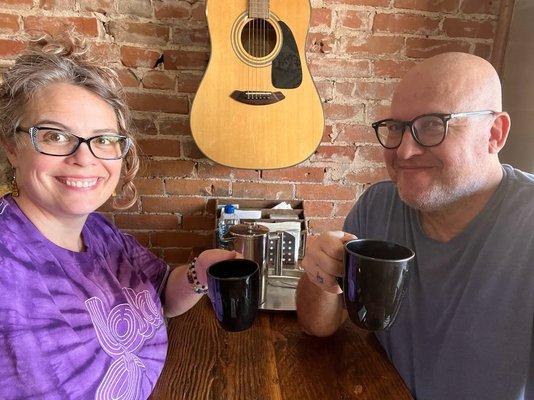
x=257 y=106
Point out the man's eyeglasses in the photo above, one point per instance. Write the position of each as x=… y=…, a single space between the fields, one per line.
x=428 y=130
x=56 y=142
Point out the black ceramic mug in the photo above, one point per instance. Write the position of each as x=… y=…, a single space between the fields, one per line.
x=375 y=280
x=234 y=290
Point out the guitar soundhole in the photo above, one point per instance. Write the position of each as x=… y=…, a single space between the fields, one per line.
x=258 y=38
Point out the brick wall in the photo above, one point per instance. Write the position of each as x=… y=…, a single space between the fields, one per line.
x=357 y=51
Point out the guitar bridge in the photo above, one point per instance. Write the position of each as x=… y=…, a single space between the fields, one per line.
x=256 y=97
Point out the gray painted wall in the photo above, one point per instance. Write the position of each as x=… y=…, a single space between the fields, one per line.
x=518 y=87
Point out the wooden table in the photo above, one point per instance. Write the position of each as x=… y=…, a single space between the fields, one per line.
x=272 y=360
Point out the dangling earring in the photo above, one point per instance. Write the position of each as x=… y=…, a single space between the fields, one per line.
x=14 y=186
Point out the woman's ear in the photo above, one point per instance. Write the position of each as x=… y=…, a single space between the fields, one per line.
x=499 y=132
x=10 y=149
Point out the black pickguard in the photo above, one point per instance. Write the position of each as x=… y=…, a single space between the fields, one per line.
x=286 y=67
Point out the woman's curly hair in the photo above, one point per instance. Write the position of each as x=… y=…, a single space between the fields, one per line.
x=65 y=59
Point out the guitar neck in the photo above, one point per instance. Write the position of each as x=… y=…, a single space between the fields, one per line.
x=258 y=9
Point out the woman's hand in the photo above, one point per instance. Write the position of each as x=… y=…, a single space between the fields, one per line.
x=324 y=259
x=210 y=257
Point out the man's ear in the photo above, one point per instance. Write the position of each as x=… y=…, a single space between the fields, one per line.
x=499 y=132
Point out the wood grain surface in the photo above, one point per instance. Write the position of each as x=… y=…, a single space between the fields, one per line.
x=272 y=360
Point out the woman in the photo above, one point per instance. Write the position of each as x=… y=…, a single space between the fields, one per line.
x=80 y=301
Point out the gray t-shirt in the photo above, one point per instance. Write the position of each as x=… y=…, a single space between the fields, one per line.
x=466 y=327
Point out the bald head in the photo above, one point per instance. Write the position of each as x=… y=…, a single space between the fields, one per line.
x=449 y=82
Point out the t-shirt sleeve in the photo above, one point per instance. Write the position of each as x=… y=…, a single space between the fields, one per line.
x=354 y=222
x=154 y=268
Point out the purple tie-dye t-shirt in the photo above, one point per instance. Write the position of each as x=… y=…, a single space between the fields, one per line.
x=82 y=325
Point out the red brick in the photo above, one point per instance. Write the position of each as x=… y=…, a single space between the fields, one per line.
x=324 y=192
x=214 y=171
x=339 y=67
x=180 y=239
x=168 y=168
x=334 y=153
x=138 y=8
x=9 y=23
x=374 y=45
x=150 y=186
x=456 y=27
x=168 y=103
x=318 y=42
x=182 y=205
x=318 y=208
x=262 y=190
x=159 y=147
x=373 y=154
x=198 y=12
x=198 y=222
x=249 y=174
x=429 y=5
x=325 y=89
x=321 y=17
x=158 y=80
x=375 y=90
x=185 y=59
x=343 y=111
x=11 y=48
x=328 y=134
x=99 y=6
x=345 y=89
x=172 y=9
x=177 y=256
x=483 y=50
x=202 y=187
x=142 y=237
x=145 y=125
x=147 y=222
x=480 y=7
x=57 y=4
x=191 y=150
x=406 y=23
x=325 y=224
x=138 y=32
x=420 y=47
x=190 y=35
x=127 y=78
x=341 y=209
x=359 y=20
x=367 y=175
x=57 y=25
x=139 y=57
x=356 y=134
x=176 y=126
x=105 y=53
x=295 y=174
x=376 y=112
x=16 y=3
x=188 y=82
x=391 y=68
x=379 y=3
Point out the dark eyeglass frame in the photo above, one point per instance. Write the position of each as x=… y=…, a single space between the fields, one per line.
x=444 y=117
x=33 y=133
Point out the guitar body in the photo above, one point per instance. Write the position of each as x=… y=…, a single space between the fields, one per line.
x=257 y=106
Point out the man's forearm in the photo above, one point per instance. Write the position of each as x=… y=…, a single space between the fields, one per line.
x=319 y=313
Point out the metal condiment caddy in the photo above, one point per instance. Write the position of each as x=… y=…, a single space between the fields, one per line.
x=274 y=251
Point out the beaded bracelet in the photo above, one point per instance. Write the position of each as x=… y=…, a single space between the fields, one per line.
x=193 y=280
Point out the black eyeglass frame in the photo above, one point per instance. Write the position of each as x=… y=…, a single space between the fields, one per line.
x=444 y=117
x=33 y=133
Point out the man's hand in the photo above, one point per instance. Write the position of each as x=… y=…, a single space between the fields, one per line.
x=324 y=259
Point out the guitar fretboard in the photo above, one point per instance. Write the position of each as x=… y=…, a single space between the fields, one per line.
x=258 y=9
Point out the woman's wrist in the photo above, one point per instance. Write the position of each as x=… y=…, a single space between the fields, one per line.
x=193 y=279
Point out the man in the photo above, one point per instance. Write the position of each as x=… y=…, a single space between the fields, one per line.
x=465 y=328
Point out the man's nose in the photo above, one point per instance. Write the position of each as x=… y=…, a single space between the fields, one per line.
x=408 y=147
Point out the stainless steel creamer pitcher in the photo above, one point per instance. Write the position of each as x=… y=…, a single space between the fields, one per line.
x=252 y=240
